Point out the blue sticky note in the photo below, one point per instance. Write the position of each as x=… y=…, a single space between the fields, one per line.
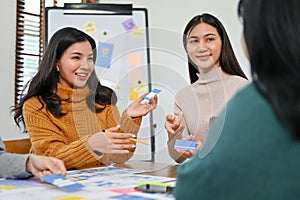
x=104 y=54
x=62 y=182
x=185 y=145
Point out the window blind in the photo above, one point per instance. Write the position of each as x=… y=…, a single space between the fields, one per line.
x=30 y=29
x=29 y=41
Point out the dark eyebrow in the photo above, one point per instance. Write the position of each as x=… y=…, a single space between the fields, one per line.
x=192 y=37
x=78 y=53
x=210 y=34
x=75 y=53
x=206 y=35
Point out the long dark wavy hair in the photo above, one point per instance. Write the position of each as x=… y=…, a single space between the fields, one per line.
x=45 y=81
x=228 y=61
x=271 y=30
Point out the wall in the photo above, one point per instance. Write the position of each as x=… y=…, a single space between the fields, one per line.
x=167 y=20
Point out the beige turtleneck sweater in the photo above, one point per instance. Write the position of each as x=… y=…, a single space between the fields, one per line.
x=66 y=137
x=202 y=101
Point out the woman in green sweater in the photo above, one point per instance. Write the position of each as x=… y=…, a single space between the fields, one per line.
x=252 y=149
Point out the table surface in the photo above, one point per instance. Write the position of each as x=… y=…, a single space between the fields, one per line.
x=155 y=169
x=98 y=185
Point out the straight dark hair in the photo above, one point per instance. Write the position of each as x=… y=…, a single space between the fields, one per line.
x=271 y=29
x=228 y=61
x=45 y=81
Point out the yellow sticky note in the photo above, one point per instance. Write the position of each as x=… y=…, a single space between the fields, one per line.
x=90 y=28
x=70 y=198
x=133 y=95
x=7 y=187
x=138 y=33
x=134 y=59
x=134 y=75
x=141 y=86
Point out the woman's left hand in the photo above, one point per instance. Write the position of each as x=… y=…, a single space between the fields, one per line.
x=137 y=109
x=189 y=153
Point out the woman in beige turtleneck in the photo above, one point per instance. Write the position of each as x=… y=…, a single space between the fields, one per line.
x=215 y=76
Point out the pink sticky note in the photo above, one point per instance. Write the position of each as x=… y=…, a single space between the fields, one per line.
x=134 y=75
x=134 y=59
x=123 y=190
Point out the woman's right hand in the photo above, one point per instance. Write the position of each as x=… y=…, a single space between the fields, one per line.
x=173 y=124
x=111 y=141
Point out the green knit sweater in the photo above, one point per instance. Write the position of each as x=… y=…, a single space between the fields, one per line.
x=248 y=154
x=66 y=137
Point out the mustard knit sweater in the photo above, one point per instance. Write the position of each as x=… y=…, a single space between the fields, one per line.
x=66 y=137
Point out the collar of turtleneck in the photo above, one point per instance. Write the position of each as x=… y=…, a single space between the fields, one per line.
x=213 y=75
x=71 y=94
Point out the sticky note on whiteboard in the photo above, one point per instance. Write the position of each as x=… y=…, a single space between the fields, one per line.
x=133 y=95
x=104 y=54
x=128 y=25
x=134 y=59
x=134 y=75
x=138 y=33
x=90 y=27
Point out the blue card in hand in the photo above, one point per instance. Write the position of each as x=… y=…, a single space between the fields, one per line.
x=185 y=145
x=151 y=94
x=62 y=182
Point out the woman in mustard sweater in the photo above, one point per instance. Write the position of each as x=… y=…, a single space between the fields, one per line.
x=66 y=108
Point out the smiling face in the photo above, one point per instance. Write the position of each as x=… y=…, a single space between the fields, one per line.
x=204 y=47
x=76 y=65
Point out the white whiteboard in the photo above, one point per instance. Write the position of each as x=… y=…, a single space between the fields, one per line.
x=122 y=64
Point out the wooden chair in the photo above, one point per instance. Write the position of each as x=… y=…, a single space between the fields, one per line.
x=21 y=146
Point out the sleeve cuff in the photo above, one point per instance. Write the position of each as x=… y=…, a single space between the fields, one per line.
x=130 y=125
x=15 y=167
